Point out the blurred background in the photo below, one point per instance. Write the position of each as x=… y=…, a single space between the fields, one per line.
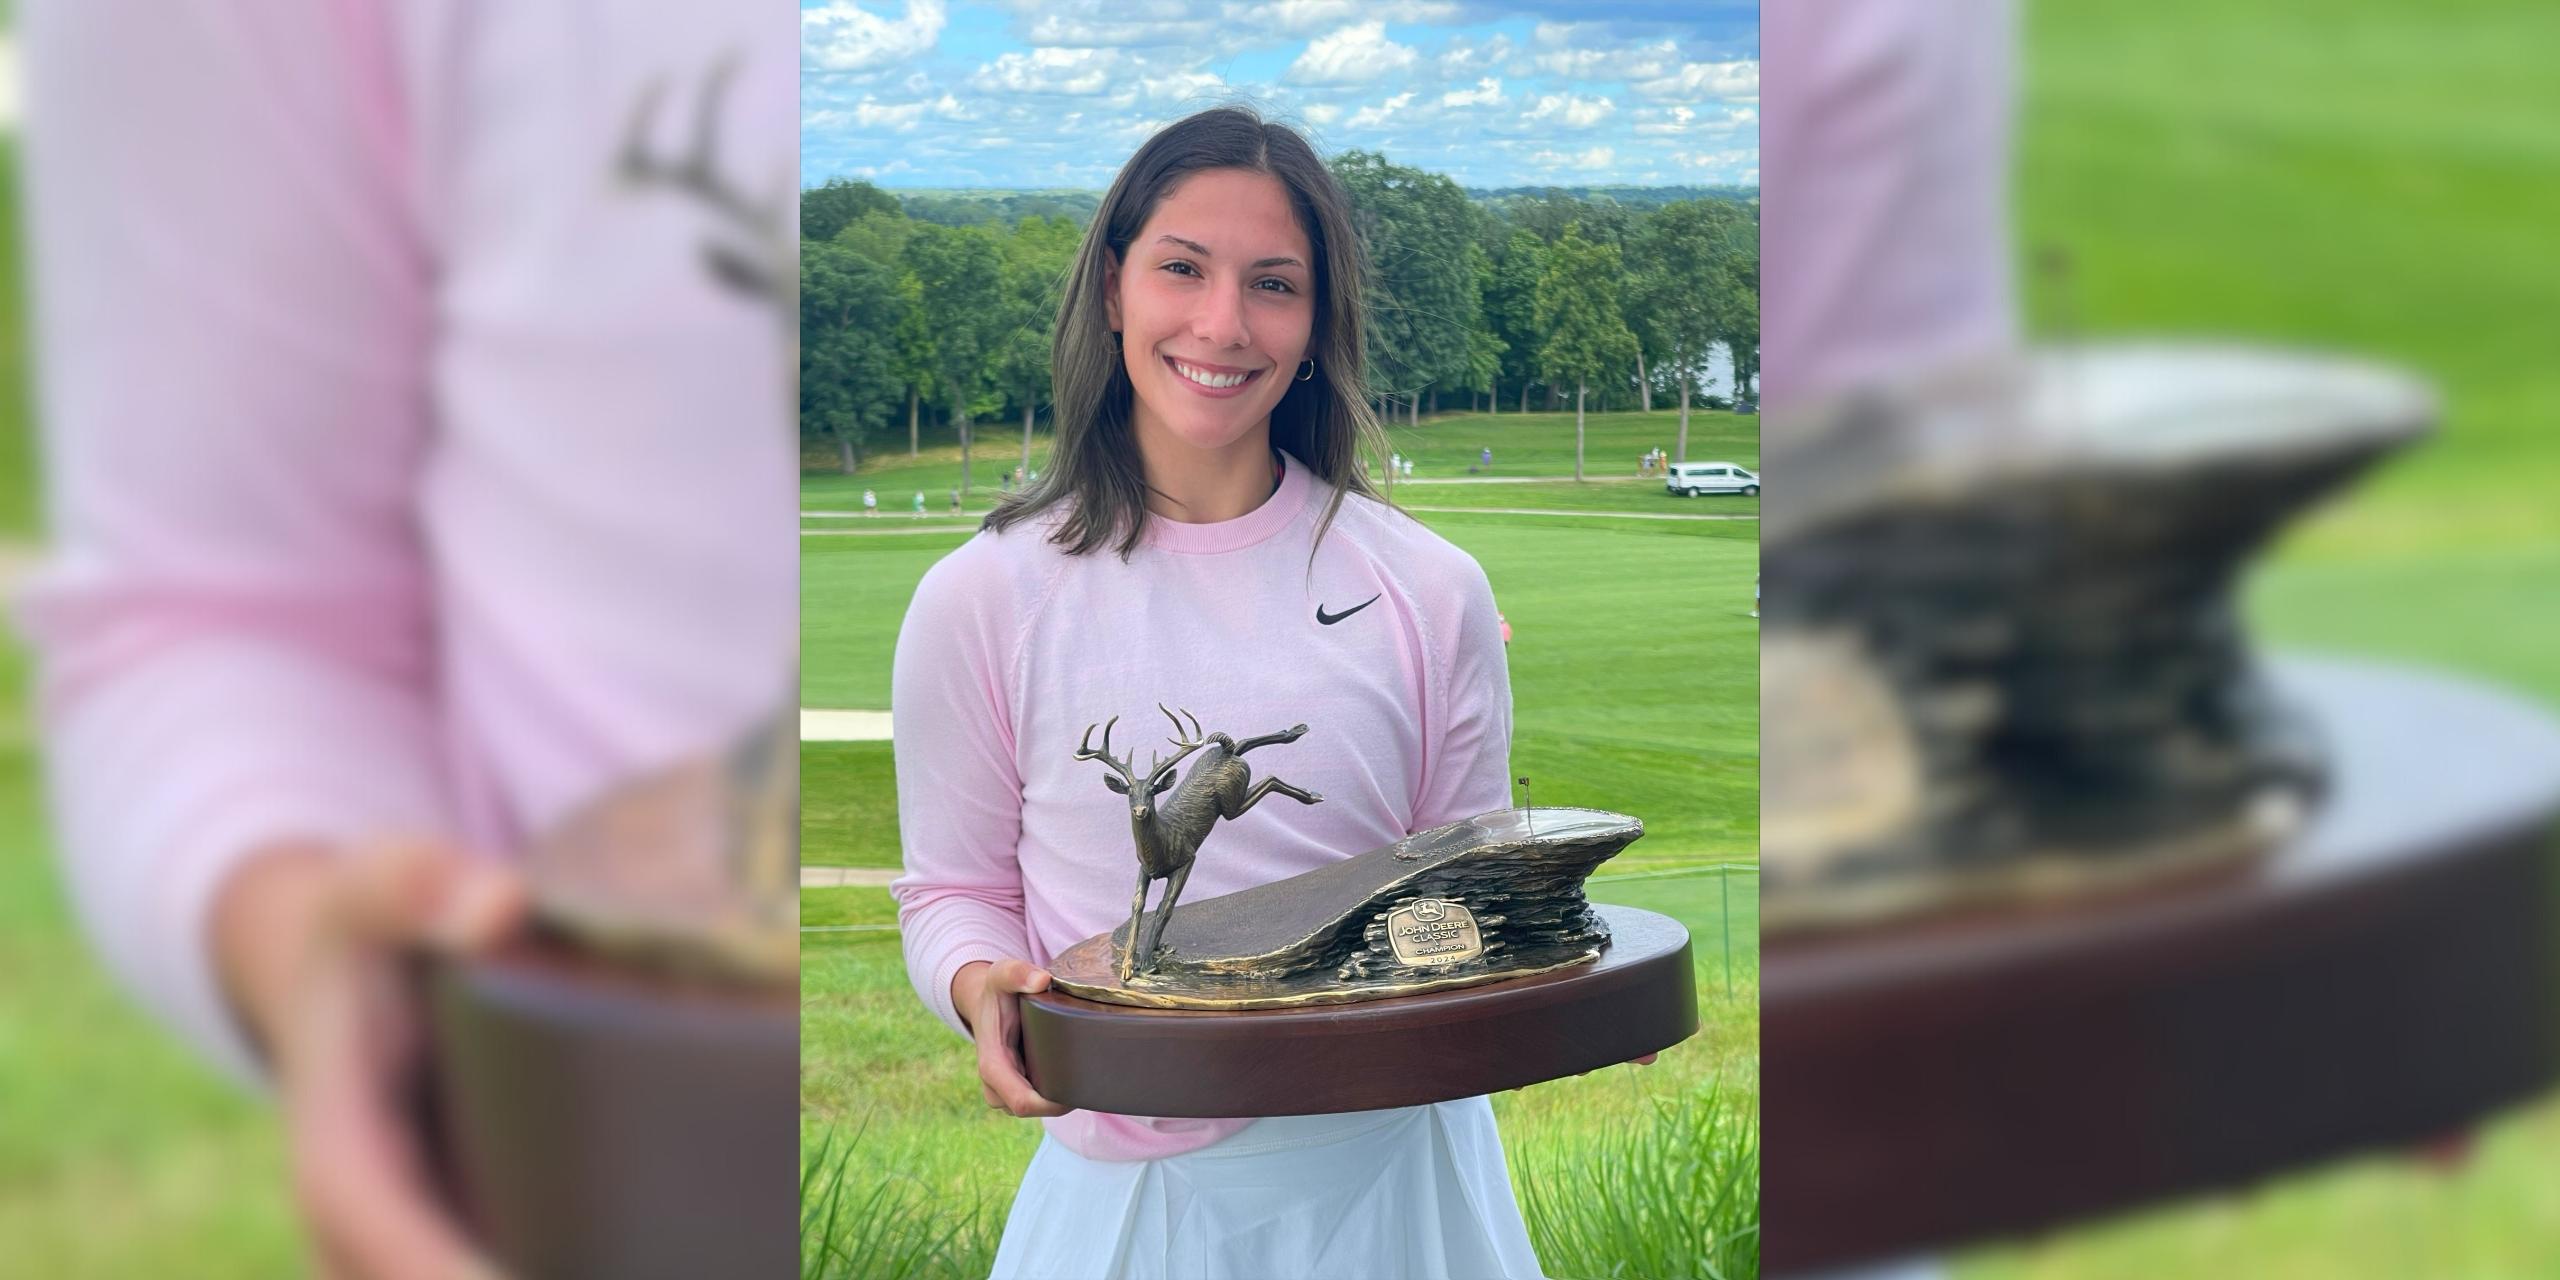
x=2382 y=180
x=2379 y=180
x=121 y=1153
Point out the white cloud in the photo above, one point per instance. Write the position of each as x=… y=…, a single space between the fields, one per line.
x=1179 y=86
x=1304 y=17
x=1487 y=92
x=1355 y=54
x=1595 y=158
x=901 y=117
x=1571 y=111
x=1573 y=64
x=1652 y=122
x=1466 y=57
x=842 y=36
x=1067 y=72
x=1122 y=25
x=1650 y=62
x=1322 y=113
x=1371 y=117
x=1706 y=80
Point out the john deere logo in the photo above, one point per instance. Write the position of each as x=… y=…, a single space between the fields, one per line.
x=1432 y=932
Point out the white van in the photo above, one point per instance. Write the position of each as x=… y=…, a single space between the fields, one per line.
x=1689 y=479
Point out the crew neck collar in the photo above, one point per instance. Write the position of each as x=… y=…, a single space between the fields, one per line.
x=1254 y=526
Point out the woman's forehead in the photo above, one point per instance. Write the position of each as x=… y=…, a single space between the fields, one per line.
x=1230 y=213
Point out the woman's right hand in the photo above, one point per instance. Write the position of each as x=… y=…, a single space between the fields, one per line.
x=312 y=945
x=988 y=997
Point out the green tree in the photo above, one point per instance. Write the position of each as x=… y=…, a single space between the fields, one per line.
x=848 y=358
x=1036 y=258
x=882 y=236
x=1684 y=289
x=1511 y=308
x=826 y=208
x=1738 y=313
x=1587 y=339
x=1418 y=232
x=960 y=279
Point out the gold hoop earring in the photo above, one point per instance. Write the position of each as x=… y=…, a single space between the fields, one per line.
x=1308 y=372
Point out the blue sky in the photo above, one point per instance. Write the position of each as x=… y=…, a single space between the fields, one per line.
x=1020 y=93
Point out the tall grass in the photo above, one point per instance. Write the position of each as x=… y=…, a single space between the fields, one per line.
x=1676 y=1199
x=885 y=1226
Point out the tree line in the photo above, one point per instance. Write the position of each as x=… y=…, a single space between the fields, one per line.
x=1546 y=295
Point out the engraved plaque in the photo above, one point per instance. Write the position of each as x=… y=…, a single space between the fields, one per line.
x=1432 y=932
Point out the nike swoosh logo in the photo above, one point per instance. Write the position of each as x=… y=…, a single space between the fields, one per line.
x=1328 y=619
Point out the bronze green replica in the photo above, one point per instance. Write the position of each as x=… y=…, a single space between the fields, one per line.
x=1489 y=898
x=1169 y=834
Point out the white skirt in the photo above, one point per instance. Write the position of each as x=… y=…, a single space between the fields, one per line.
x=1415 y=1193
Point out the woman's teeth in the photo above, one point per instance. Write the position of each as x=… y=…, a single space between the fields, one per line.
x=1208 y=379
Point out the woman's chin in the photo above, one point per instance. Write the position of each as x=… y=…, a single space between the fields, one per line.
x=1216 y=435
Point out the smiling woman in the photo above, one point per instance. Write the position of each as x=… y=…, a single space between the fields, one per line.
x=1214 y=305
x=1211 y=421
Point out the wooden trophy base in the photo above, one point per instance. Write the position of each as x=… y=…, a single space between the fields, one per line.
x=2390 y=976
x=594 y=1123
x=1638 y=997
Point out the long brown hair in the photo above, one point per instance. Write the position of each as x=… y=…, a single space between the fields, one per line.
x=1324 y=422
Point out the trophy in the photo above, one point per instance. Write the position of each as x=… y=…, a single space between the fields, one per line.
x=618 y=1095
x=1460 y=960
x=2077 y=898
x=644 y=1032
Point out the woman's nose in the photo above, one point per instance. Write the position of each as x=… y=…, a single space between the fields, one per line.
x=1220 y=320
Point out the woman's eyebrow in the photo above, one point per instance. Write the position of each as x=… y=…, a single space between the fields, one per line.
x=1203 y=250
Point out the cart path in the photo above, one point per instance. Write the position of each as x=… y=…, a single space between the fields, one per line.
x=840 y=877
x=819 y=724
x=18 y=560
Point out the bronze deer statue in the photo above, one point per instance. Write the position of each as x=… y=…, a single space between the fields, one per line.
x=1168 y=834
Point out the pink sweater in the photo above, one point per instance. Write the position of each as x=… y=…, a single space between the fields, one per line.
x=1011 y=648
x=408 y=473
x=1884 y=228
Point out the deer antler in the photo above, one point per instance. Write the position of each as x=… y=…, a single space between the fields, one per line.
x=697 y=174
x=1156 y=773
x=1085 y=751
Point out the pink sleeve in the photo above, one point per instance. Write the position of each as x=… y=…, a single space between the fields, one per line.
x=1467 y=768
x=1884 y=142
x=959 y=794
x=230 y=318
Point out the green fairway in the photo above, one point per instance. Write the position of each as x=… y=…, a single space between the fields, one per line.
x=2381 y=179
x=18 y=505
x=98 y=1106
x=848 y=805
x=1443 y=447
